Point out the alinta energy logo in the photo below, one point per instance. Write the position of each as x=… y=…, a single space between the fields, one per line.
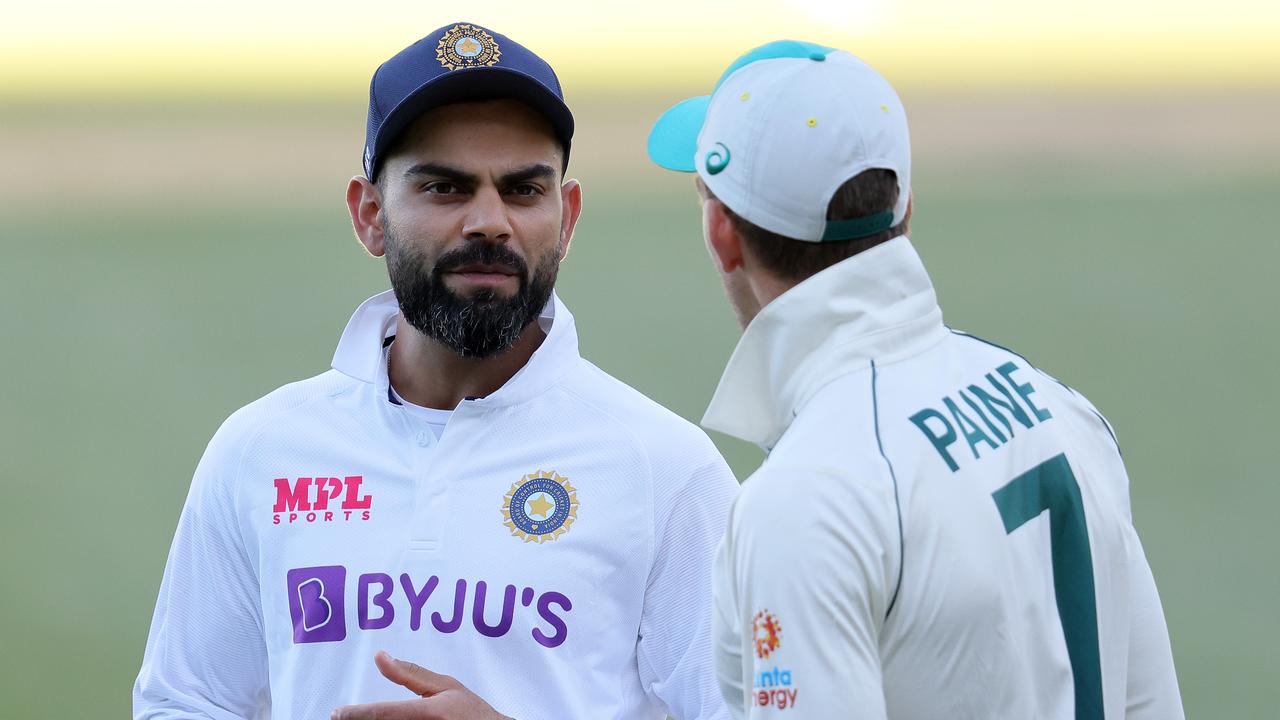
x=767 y=631
x=319 y=598
x=320 y=499
x=774 y=687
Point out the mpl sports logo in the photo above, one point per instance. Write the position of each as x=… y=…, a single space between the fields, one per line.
x=774 y=687
x=318 y=606
x=308 y=500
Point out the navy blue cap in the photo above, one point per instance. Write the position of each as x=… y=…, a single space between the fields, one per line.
x=458 y=63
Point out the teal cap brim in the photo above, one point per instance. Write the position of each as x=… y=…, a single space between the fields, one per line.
x=673 y=141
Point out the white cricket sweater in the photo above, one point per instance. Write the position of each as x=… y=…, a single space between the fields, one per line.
x=940 y=530
x=552 y=550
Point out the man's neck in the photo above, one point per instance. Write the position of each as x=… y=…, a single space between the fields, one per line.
x=427 y=373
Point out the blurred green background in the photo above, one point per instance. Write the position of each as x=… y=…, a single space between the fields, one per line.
x=168 y=258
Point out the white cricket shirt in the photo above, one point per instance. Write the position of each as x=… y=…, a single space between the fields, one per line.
x=940 y=530
x=552 y=550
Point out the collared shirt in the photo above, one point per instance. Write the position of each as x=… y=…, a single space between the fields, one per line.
x=551 y=549
x=940 y=530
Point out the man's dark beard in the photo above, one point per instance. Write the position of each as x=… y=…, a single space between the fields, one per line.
x=483 y=324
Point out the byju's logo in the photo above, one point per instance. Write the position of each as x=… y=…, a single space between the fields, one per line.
x=317 y=606
x=307 y=500
x=316 y=603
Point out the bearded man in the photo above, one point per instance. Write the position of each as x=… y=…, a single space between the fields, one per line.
x=462 y=489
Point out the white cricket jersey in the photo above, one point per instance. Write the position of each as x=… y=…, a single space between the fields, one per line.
x=552 y=550
x=940 y=530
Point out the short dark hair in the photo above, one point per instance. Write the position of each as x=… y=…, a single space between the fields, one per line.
x=867 y=193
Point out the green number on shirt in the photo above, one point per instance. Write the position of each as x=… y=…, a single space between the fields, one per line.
x=1052 y=486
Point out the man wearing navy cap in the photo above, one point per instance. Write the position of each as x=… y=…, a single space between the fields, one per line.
x=462 y=489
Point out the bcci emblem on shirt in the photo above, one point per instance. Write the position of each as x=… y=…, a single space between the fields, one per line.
x=540 y=507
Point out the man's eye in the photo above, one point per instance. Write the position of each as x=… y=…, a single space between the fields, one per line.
x=526 y=190
x=442 y=188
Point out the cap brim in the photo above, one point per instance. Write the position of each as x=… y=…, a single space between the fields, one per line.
x=673 y=141
x=475 y=84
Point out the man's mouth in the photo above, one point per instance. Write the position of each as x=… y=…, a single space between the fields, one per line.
x=484 y=269
x=484 y=273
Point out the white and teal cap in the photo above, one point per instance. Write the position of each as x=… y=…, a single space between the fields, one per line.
x=788 y=124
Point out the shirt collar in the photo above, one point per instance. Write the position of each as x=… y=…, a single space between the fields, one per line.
x=360 y=349
x=877 y=305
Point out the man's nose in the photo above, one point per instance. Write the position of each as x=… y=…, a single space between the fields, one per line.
x=487 y=217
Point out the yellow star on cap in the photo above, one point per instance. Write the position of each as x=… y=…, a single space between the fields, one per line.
x=540 y=506
x=468 y=46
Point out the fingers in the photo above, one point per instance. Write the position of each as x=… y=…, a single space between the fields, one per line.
x=418 y=679
x=394 y=710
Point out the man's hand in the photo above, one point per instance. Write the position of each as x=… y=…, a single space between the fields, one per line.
x=443 y=698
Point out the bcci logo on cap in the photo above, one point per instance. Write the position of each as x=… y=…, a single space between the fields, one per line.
x=540 y=507
x=466 y=46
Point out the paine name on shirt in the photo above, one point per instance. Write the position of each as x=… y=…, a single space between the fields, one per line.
x=987 y=412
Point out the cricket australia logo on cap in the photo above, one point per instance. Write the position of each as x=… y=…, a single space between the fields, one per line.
x=466 y=46
x=540 y=507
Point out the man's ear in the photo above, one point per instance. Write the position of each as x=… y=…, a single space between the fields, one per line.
x=364 y=201
x=723 y=240
x=570 y=211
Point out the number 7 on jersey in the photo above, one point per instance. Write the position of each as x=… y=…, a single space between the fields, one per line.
x=1052 y=486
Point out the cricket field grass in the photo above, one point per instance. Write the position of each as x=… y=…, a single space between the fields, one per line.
x=162 y=268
